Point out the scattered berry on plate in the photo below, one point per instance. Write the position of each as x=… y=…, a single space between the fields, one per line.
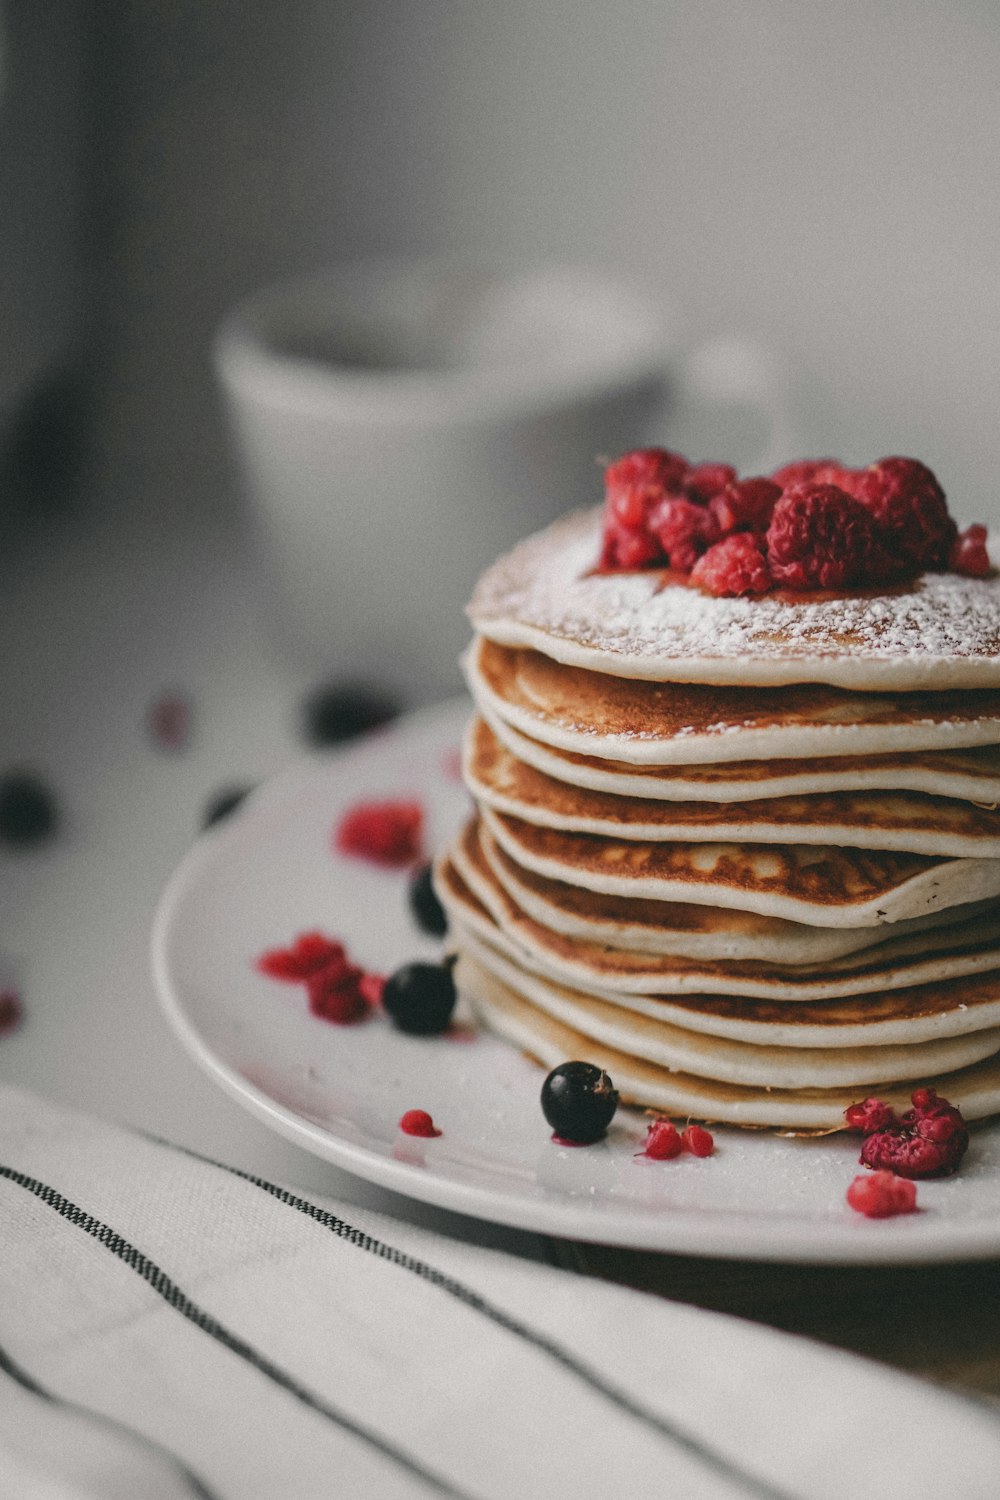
x=882 y=1195
x=386 y=833
x=340 y=711
x=419 y=998
x=311 y=952
x=929 y=1140
x=698 y=1140
x=169 y=721
x=424 y=904
x=337 y=994
x=663 y=1141
x=27 y=809
x=418 y=1122
x=223 y=802
x=579 y=1101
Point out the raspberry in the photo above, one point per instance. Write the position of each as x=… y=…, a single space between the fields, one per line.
x=698 y=1141
x=928 y=1141
x=308 y=955
x=746 y=505
x=736 y=565
x=386 y=833
x=625 y=548
x=371 y=988
x=910 y=508
x=418 y=1122
x=820 y=537
x=882 y=1195
x=707 y=480
x=337 y=994
x=969 y=555
x=642 y=470
x=809 y=471
x=684 y=531
x=870 y=1115
x=663 y=1141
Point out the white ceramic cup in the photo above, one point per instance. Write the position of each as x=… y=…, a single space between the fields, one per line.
x=401 y=424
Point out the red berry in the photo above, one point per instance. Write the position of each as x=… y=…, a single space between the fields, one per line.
x=698 y=1141
x=387 y=833
x=745 y=506
x=882 y=1195
x=870 y=1115
x=311 y=952
x=969 y=555
x=928 y=1141
x=371 y=987
x=418 y=1122
x=623 y=548
x=736 y=565
x=684 y=531
x=821 y=538
x=910 y=508
x=10 y=1010
x=707 y=480
x=808 y=471
x=663 y=1141
x=654 y=468
x=335 y=994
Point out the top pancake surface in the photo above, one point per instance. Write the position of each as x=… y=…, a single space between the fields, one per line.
x=940 y=632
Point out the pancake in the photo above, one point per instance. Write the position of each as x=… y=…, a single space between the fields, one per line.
x=939 y=633
x=764 y=1064
x=971 y=775
x=685 y=930
x=975 y=1089
x=683 y=723
x=470 y=894
x=820 y=885
x=902 y=821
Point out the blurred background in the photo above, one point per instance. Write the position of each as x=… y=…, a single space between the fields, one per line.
x=822 y=178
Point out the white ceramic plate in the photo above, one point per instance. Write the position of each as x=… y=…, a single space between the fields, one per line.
x=270 y=872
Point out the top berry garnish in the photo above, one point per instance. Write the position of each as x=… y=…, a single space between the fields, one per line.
x=812 y=524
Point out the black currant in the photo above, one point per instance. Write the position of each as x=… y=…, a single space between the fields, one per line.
x=425 y=905
x=341 y=711
x=579 y=1101
x=419 y=998
x=223 y=802
x=27 y=809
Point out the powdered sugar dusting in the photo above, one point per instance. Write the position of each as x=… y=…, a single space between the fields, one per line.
x=941 y=632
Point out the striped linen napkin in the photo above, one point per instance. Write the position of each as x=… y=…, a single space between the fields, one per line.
x=172 y=1328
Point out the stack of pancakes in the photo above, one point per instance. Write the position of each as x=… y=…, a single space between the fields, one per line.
x=742 y=853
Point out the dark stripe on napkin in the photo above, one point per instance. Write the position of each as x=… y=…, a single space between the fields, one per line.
x=172 y=1294
x=564 y=1357
x=14 y=1370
